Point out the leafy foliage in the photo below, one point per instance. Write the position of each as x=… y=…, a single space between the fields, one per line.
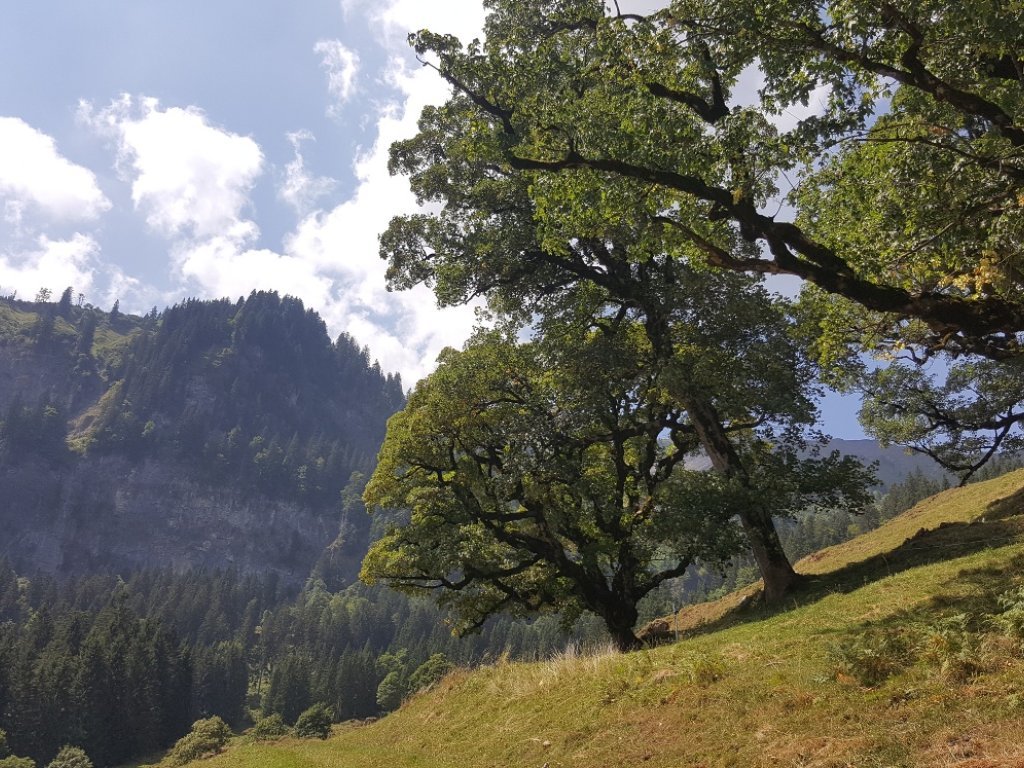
x=531 y=488
x=582 y=143
x=268 y=728
x=71 y=757
x=206 y=738
x=429 y=672
x=961 y=418
x=1010 y=619
x=533 y=484
x=314 y=723
x=874 y=656
x=955 y=647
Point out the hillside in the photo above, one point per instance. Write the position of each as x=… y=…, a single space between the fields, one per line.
x=903 y=649
x=214 y=433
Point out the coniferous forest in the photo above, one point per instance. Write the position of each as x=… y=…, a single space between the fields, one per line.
x=123 y=667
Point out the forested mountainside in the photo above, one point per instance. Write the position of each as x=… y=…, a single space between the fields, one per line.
x=213 y=433
x=123 y=666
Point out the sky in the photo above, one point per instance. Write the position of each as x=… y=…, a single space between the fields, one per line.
x=154 y=151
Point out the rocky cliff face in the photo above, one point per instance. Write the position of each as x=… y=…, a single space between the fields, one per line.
x=110 y=513
x=181 y=441
x=27 y=374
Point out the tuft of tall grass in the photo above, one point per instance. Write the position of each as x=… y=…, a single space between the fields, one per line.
x=874 y=656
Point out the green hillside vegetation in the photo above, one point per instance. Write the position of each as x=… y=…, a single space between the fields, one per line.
x=14 y=321
x=253 y=391
x=903 y=649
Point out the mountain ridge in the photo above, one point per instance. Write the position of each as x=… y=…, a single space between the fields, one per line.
x=213 y=434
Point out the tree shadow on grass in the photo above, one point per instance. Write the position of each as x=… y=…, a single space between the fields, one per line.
x=1002 y=524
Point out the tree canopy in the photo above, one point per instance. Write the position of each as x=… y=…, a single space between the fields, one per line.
x=531 y=489
x=550 y=475
x=574 y=125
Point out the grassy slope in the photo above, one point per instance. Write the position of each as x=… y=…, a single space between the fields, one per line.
x=748 y=688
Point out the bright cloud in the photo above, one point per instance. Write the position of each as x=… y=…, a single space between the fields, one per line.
x=223 y=268
x=188 y=177
x=341 y=65
x=35 y=177
x=462 y=18
x=406 y=330
x=53 y=264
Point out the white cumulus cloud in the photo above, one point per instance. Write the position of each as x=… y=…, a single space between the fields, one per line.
x=35 y=177
x=462 y=18
x=406 y=330
x=188 y=177
x=53 y=264
x=222 y=267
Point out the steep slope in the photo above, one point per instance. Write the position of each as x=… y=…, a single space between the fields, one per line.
x=215 y=433
x=904 y=649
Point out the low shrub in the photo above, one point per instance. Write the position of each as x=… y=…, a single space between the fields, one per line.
x=1010 y=619
x=71 y=757
x=206 y=738
x=268 y=728
x=874 y=656
x=314 y=723
x=429 y=672
x=955 y=649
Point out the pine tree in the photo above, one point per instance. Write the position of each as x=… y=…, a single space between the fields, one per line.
x=64 y=305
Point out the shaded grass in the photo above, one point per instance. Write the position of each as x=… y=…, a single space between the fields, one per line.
x=110 y=345
x=749 y=687
x=15 y=323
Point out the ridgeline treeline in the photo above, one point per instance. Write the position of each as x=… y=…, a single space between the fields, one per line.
x=251 y=392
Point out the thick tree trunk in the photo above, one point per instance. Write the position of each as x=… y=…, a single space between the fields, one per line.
x=620 y=620
x=625 y=639
x=758 y=525
x=776 y=570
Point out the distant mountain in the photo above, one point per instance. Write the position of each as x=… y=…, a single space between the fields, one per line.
x=214 y=433
x=893 y=463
